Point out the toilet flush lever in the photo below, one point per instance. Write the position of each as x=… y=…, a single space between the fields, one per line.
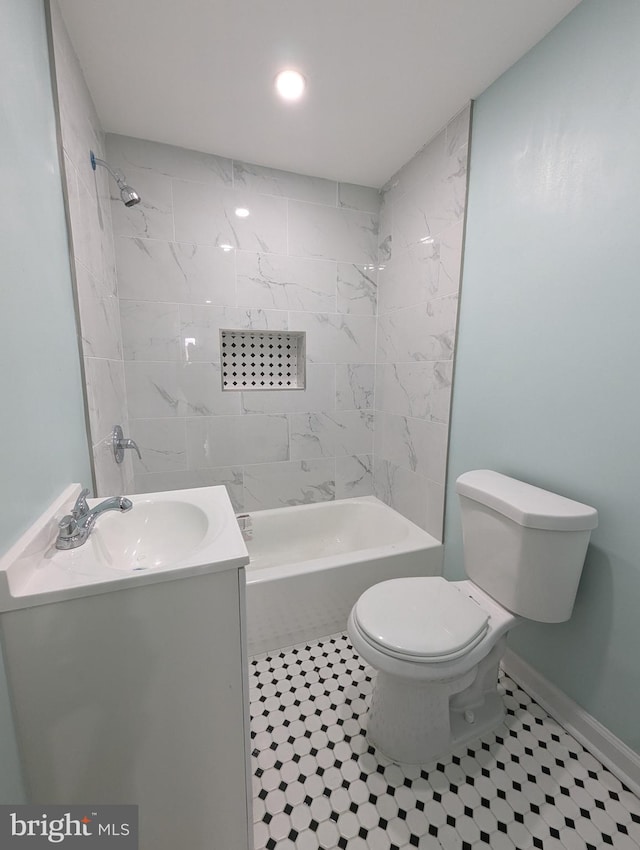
x=120 y=443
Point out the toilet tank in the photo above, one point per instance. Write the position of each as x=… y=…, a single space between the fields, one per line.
x=523 y=545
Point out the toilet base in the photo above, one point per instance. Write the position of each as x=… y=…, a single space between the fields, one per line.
x=414 y=722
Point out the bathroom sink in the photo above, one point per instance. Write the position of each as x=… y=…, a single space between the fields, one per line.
x=152 y=534
x=164 y=536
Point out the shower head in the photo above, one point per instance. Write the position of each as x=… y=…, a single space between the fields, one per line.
x=128 y=195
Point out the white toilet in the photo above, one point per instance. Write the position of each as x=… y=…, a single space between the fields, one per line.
x=436 y=645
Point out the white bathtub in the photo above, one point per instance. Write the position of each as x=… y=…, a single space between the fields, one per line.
x=310 y=563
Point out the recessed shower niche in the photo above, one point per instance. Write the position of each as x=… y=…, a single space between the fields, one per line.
x=262 y=360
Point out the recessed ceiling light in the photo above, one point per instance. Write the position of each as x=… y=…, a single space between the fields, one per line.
x=242 y=212
x=226 y=247
x=290 y=84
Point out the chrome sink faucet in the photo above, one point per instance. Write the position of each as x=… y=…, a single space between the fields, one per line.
x=75 y=528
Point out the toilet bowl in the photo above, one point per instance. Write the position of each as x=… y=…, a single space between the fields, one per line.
x=436 y=645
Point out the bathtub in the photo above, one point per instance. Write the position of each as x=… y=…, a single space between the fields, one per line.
x=310 y=563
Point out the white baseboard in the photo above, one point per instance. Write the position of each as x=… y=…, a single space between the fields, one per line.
x=603 y=744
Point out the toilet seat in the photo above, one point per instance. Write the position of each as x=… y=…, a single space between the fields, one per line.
x=424 y=619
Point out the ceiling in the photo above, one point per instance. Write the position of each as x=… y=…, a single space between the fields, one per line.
x=383 y=75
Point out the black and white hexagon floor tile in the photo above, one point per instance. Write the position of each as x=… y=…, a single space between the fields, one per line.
x=319 y=785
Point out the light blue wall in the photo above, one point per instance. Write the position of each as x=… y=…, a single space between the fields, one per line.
x=43 y=445
x=547 y=376
x=44 y=442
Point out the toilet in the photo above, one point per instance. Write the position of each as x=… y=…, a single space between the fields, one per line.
x=436 y=645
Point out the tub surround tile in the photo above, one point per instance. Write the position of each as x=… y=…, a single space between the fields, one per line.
x=332 y=233
x=99 y=324
x=152 y=390
x=152 y=218
x=411 y=276
x=200 y=391
x=112 y=477
x=426 y=163
x=106 y=395
x=422 y=332
x=284 y=184
x=167 y=160
x=200 y=327
x=235 y=440
x=354 y=476
x=230 y=477
x=421 y=389
x=93 y=257
x=150 y=330
x=357 y=289
x=336 y=338
x=304 y=259
x=354 y=197
x=206 y=215
x=331 y=434
x=414 y=444
x=285 y=283
x=355 y=386
x=162 y=443
x=318 y=395
x=457 y=130
x=277 y=485
x=150 y=270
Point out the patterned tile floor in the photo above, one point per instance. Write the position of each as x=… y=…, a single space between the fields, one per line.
x=318 y=785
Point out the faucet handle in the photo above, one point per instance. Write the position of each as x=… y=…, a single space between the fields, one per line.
x=68 y=532
x=81 y=507
x=120 y=443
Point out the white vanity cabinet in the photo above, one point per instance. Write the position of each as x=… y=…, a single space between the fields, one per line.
x=138 y=694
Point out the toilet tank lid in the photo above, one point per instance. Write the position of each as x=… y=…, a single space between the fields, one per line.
x=525 y=504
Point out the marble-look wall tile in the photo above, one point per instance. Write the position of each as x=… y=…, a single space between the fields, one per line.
x=426 y=163
x=126 y=153
x=420 y=254
x=457 y=130
x=410 y=277
x=318 y=395
x=150 y=270
x=421 y=389
x=112 y=478
x=284 y=184
x=162 y=444
x=152 y=218
x=212 y=269
x=230 y=477
x=99 y=325
x=88 y=194
x=236 y=440
x=150 y=330
x=414 y=444
x=415 y=497
x=354 y=476
x=332 y=233
x=422 y=332
x=333 y=338
x=207 y=216
x=153 y=390
x=355 y=386
x=450 y=259
x=106 y=395
x=200 y=327
x=357 y=289
x=277 y=485
x=285 y=283
x=355 y=197
x=330 y=434
x=200 y=391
